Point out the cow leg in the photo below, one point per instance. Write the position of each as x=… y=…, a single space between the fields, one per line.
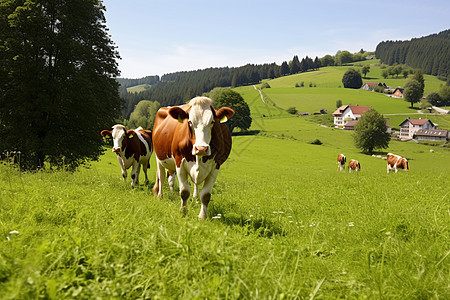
x=135 y=173
x=205 y=194
x=195 y=194
x=171 y=179
x=122 y=167
x=185 y=189
x=160 y=177
x=144 y=168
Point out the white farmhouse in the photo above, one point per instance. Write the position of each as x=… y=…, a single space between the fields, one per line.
x=410 y=126
x=347 y=113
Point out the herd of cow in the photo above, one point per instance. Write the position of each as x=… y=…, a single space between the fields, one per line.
x=190 y=141
x=394 y=162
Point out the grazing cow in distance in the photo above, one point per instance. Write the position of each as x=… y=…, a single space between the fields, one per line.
x=395 y=162
x=133 y=148
x=341 y=159
x=191 y=140
x=354 y=165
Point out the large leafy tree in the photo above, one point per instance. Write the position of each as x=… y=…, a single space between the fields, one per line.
x=352 y=79
x=144 y=115
x=227 y=97
x=371 y=132
x=413 y=92
x=57 y=77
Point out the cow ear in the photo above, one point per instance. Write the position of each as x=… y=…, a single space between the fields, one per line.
x=106 y=133
x=224 y=114
x=178 y=113
x=130 y=133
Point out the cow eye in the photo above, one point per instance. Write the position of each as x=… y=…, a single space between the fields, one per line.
x=190 y=123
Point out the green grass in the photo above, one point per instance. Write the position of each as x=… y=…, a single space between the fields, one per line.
x=283 y=222
x=290 y=226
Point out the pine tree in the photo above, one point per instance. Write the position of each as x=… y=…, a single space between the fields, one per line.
x=295 y=65
x=284 y=68
x=57 y=72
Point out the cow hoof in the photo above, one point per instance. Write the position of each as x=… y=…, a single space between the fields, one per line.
x=183 y=211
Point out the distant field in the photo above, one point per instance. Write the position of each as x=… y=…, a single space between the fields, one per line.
x=138 y=88
x=331 y=77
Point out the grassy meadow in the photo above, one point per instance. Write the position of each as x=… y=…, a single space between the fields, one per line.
x=283 y=222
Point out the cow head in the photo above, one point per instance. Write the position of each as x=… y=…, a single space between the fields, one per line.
x=201 y=119
x=120 y=137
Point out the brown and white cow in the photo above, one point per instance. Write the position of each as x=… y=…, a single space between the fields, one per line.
x=395 y=162
x=133 y=148
x=341 y=159
x=191 y=140
x=354 y=165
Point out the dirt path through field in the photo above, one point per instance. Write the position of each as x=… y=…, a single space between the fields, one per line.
x=260 y=93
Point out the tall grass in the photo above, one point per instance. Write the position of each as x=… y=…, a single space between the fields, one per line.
x=283 y=224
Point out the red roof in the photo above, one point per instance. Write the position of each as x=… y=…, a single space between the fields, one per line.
x=359 y=109
x=417 y=122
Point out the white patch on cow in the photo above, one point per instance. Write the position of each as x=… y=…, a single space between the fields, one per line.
x=117 y=134
x=141 y=138
x=201 y=120
x=198 y=172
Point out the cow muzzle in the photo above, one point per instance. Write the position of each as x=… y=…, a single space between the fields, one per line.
x=200 y=150
x=116 y=150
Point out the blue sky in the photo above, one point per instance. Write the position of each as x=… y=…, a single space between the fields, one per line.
x=156 y=37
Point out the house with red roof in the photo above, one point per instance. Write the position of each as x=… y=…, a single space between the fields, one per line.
x=347 y=113
x=370 y=85
x=410 y=126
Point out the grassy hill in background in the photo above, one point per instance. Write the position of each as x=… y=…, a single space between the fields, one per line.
x=283 y=94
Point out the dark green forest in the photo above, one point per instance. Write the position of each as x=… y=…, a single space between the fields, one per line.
x=430 y=53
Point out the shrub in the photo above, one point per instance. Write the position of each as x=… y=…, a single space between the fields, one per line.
x=292 y=110
x=316 y=142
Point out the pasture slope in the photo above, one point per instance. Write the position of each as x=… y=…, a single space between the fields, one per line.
x=284 y=223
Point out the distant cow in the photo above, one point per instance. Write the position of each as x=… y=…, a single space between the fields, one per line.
x=395 y=162
x=192 y=141
x=341 y=159
x=133 y=148
x=353 y=165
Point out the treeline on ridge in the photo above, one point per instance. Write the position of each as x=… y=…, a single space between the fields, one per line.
x=176 y=88
x=430 y=53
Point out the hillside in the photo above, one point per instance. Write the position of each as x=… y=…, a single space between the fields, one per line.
x=283 y=94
